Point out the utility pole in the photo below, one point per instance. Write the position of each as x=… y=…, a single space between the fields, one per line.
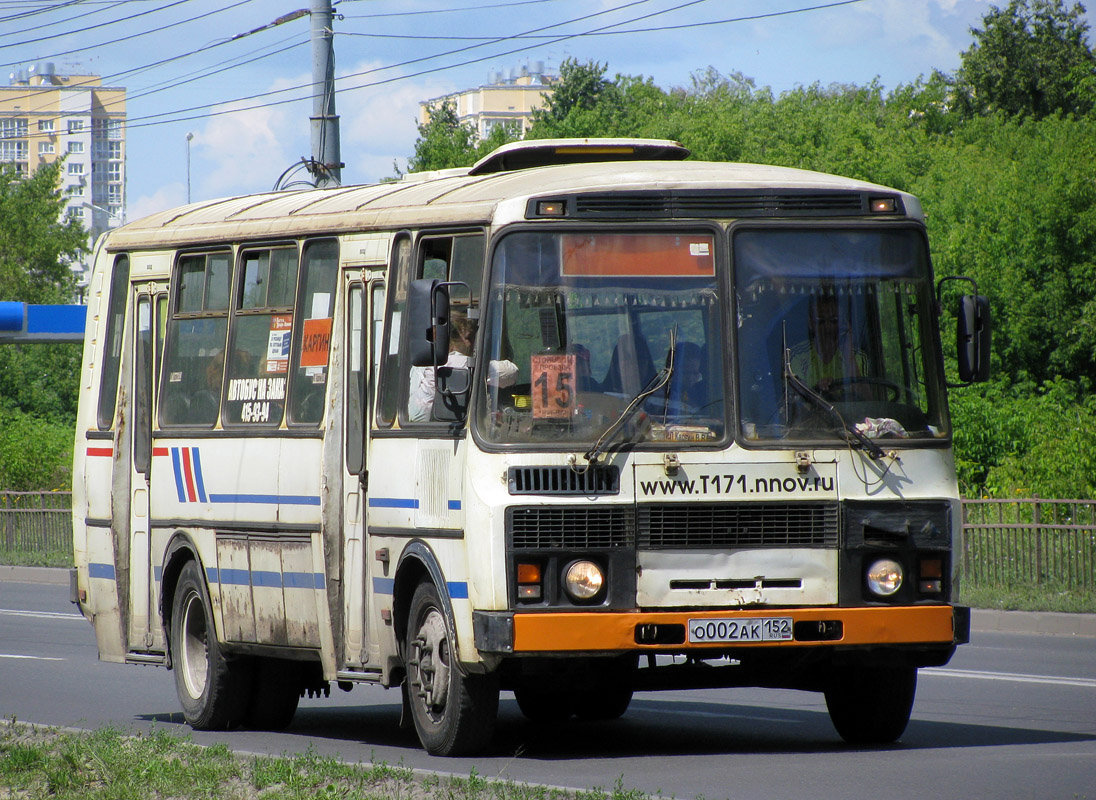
x=326 y=165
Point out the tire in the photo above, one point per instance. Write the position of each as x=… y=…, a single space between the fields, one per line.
x=275 y=693
x=543 y=705
x=213 y=690
x=610 y=703
x=871 y=705
x=454 y=714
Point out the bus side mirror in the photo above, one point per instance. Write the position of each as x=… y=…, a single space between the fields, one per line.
x=428 y=322
x=973 y=333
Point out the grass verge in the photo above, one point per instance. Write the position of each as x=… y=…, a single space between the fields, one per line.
x=38 y=763
x=36 y=558
x=1027 y=597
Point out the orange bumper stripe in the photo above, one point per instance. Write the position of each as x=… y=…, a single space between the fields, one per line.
x=543 y=633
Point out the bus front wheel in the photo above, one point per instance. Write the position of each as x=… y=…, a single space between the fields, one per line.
x=871 y=705
x=454 y=713
x=212 y=689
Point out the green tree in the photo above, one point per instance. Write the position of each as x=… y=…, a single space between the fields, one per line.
x=1030 y=58
x=445 y=142
x=36 y=246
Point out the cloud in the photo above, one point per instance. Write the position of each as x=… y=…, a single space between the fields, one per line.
x=379 y=123
x=167 y=196
x=243 y=149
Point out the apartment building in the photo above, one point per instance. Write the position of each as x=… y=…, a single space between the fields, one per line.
x=44 y=116
x=508 y=98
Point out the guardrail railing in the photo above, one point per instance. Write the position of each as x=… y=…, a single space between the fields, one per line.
x=1004 y=543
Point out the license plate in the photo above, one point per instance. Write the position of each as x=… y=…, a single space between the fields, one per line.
x=759 y=629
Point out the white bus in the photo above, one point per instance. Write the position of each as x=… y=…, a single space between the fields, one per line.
x=583 y=420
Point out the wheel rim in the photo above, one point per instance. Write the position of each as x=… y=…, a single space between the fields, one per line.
x=195 y=652
x=431 y=665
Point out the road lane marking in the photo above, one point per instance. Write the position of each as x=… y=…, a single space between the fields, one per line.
x=12 y=612
x=1014 y=677
x=31 y=658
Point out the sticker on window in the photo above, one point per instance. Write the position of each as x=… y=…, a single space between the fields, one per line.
x=277 y=349
x=553 y=386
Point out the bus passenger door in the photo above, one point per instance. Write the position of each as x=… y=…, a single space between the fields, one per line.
x=365 y=308
x=140 y=594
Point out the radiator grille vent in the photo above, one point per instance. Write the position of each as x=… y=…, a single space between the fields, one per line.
x=564 y=480
x=698 y=205
x=558 y=527
x=738 y=525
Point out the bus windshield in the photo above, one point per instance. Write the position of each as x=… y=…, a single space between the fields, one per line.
x=582 y=324
x=834 y=331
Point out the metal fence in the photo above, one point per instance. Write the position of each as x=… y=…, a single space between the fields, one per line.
x=1034 y=542
x=1005 y=542
x=36 y=522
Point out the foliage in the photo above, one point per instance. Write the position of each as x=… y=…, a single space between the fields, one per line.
x=36 y=762
x=34 y=454
x=445 y=142
x=1031 y=59
x=36 y=247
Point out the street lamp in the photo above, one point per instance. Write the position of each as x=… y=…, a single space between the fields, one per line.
x=189 y=136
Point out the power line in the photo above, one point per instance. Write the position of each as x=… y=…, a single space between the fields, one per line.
x=91 y=27
x=657 y=29
x=442 y=10
x=139 y=33
x=414 y=61
x=38 y=11
x=104 y=7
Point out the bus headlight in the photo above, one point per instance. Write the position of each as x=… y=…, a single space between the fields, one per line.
x=583 y=580
x=885 y=577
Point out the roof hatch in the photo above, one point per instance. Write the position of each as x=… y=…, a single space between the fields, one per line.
x=551 y=152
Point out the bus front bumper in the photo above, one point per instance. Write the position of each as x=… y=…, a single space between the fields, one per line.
x=683 y=631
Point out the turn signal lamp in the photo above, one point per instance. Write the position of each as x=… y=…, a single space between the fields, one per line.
x=550 y=208
x=882 y=205
x=931 y=576
x=529 y=582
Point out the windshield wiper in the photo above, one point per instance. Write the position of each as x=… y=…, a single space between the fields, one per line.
x=874 y=451
x=661 y=379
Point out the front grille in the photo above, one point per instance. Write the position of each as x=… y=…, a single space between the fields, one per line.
x=564 y=527
x=721 y=204
x=595 y=479
x=737 y=525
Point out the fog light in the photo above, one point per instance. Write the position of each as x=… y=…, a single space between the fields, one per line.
x=885 y=577
x=584 y=580
x=931 y=586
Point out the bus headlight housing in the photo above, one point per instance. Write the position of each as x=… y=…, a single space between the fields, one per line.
x=885 y=577
x=583 y=581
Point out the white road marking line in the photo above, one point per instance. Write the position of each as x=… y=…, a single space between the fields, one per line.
x=12 y=612
x=1014 y=677
x=31 y=658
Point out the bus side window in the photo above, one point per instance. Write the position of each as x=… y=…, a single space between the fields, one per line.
x=389 y=388
x=257 y=367
x=116 y=312
x=312 y=334
x=448 y=258
x=190 y=388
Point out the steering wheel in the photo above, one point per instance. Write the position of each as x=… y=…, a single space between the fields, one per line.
x=840 y=388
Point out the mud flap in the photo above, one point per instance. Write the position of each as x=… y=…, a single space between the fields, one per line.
x=406 y=722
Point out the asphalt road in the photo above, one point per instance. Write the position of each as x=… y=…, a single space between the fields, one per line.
x=1012 y=716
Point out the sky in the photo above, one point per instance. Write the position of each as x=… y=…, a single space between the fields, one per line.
x=221 y=73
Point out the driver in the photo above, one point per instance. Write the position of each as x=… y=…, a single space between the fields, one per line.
x=828 y=362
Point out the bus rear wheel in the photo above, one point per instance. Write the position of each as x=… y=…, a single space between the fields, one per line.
x=275 y=694
x=212 y=688
x=871 y=705
x=454 y=713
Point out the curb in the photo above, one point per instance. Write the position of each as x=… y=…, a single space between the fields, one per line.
x=52 y=575
x=982 y=620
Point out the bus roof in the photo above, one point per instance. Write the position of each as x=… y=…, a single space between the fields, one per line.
x=455 y=197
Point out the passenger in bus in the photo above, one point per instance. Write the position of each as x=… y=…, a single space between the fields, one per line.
x=688 y=387
x=829 y=361
x=462 y=339
x=203 y=405
x=630 y=367
x=584 y=380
